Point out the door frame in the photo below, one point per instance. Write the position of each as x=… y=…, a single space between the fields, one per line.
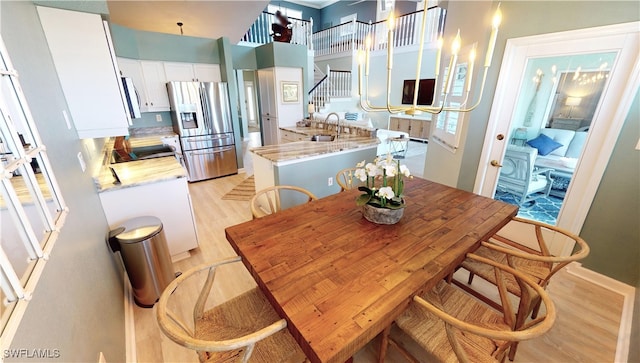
x=608 y=119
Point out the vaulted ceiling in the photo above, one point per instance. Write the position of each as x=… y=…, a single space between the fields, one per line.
x=207 y=19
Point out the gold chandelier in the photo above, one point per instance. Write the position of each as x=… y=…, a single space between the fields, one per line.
x=414 y=109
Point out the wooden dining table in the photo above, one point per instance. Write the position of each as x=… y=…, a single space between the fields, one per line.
x=339 y=280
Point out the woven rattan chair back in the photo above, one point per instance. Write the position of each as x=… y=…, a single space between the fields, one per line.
x=347 y=179
x=269 y=200
x=536 y=262
x=234 y=330
x=449 y=324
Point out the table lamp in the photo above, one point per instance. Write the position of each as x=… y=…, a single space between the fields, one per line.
x=311 y=108
x=572 y=102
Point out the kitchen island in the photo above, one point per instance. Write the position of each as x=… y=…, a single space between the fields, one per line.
x=155 y=187
x=312 y=165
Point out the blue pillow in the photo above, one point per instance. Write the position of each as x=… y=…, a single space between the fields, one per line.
x=544 y=144
x=351 y=116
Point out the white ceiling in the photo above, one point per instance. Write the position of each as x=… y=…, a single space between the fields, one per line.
x=208 y=19
x=317 y=4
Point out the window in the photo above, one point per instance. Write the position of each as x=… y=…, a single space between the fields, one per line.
x=290 y=13
x=32 y=210
x=449 y=123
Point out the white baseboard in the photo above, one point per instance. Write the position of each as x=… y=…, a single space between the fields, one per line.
x=629 y=294
x=129 y=323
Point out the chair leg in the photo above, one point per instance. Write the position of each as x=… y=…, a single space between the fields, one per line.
x=470 y=280
x=512 y=351
x=384 y=344
x=536 y=310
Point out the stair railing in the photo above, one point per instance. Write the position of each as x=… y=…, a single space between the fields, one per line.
x=335 y=83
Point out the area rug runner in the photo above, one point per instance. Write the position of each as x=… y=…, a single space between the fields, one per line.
x=243 y=191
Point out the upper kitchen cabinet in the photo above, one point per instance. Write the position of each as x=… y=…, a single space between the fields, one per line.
x=150 y=82
x=85 y=63
x=131 y=68
x=155 y=85
x=196 y=72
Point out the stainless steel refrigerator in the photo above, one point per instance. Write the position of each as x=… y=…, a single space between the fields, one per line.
x=201 y=116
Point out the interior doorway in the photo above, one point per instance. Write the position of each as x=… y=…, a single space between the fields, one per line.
x=248 y=102
x=615 y=45
x=553 y=115
x=251 y=106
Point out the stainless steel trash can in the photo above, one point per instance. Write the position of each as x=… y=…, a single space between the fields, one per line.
x=145 y=254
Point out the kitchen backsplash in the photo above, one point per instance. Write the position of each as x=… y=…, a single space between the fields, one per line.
x=150 y=119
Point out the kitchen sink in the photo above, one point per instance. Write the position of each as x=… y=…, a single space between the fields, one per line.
x=323 y=137
x=142 y=153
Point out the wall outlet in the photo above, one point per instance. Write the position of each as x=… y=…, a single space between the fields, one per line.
x=159 y=117
x=330 y=181
x=83 y=165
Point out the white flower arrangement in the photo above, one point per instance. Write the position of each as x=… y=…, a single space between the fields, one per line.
x=389 y=176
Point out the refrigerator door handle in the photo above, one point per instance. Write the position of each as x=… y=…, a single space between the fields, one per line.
x=217 y=151
x=206 y=107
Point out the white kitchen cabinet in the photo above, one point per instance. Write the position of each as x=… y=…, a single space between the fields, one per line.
x=207 y=72
x=82 y=55
x=270 y=130
x=290 y=136
x=131 y=68
x=416 y=128
x=268 y=100
x=155 y=87
x=195 y=72
x=167 y=200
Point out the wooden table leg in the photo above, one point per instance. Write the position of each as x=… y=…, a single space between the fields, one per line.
x=384 y=343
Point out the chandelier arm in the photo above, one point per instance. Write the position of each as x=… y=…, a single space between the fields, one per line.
x=484 y=79
x=423 y=28
x=389 y=106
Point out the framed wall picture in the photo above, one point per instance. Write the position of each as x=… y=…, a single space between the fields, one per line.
x=290 y=92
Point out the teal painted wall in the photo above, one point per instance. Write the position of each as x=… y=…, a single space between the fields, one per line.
x=148 y=119
x=611 y=227
x=313 y=174
x=278 y=54
x=244 y=57
x=138 y=44
x=77 y=306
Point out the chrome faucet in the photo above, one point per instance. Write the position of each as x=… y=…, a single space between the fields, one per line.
x=337 y=122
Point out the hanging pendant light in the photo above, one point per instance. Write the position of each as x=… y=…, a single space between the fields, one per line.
x=415 y=109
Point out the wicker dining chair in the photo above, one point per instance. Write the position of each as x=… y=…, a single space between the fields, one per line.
x=347 y=180
x=237 y=330
x=537 y=262
x=451 y=325
x=269 y=200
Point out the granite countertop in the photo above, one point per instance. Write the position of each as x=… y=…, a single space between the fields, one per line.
x=305 y=149
x=139 y=172
x=310 y=131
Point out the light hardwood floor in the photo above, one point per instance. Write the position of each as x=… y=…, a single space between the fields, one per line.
x=585 y=331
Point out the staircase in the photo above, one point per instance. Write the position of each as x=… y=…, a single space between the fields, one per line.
x=329 y=84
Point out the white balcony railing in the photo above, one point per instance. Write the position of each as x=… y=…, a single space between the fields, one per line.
x=352 y=36
x=260 y=32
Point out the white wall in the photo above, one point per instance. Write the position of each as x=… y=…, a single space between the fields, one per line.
x=77 y=306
